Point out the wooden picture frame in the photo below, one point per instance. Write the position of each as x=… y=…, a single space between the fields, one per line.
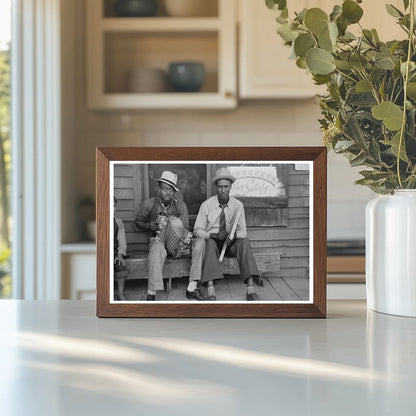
x=283 y=213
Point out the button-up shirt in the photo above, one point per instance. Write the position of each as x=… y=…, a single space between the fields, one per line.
x=208 y=219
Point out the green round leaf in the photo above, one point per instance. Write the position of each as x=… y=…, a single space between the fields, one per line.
x=393 y=11
x=322 y=79
x=384 y=62
x=391 y=114
x=276 y=4
x=363 y=86
x=411 y=90
x=287 y=33
x=342 y=25
x=327 y=39
x=375 y=35
x=336 y=12
x=325 y=42
x=319 y=61
x=301 y=15
x=301 y=63
x=316 y=20
x=303 y=43
x=395 y=143
x=358 y=61
x=344 y=65
x=347 y=37
x=333 y=32
x=351 y=11
x=412 y=68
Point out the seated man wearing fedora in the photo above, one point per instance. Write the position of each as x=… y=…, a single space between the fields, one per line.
x=151 y=211
x=212 y=229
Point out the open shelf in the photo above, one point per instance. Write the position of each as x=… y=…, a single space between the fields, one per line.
x=116 y=46
x=127 y=51
x=209 y=8
x=160 y=24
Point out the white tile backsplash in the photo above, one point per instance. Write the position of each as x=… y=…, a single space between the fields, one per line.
x=346 y=219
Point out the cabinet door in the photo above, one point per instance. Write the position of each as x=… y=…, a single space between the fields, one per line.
x=117 y=47
x=266 y=71
x=78 y=276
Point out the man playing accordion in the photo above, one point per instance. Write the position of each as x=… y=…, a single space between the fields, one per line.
x=166 y=221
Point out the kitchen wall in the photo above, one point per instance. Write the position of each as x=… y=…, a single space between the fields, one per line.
x=253 y=123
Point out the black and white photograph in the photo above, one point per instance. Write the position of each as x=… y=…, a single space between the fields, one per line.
x=216 y=232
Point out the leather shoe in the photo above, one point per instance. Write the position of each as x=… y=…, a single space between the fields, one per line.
x=259 y=281
x=195 y=294
x=151 y=297
x=252 y=296
x=211 y=298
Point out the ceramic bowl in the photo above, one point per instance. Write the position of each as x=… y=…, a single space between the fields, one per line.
x=186 y=76
x=135 y=8
x=147 y=80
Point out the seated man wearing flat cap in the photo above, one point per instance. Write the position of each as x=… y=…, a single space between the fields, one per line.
x=152 y=211
x=212 y=228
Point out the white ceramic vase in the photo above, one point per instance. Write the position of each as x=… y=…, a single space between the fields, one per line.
x=391 y=253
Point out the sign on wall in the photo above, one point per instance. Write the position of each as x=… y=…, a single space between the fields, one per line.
x=256 y=181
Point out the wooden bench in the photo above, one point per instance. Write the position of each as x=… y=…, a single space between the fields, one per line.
x=138 y=266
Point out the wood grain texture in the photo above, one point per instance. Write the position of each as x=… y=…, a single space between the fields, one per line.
x=346 y=264
x=316 y=309
x=319 y=230
x=103 y=231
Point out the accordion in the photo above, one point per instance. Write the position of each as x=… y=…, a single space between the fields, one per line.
x=176 y=237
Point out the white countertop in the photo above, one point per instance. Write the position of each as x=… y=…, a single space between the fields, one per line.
x=57 y=358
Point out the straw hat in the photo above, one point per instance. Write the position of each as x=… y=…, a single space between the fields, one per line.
x=223 y=173
x=169 y=178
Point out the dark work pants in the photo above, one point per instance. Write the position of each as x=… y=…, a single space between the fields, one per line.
x=211 y=267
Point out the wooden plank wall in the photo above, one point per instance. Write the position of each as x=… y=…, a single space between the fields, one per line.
x=291 y=240
x=128 y=190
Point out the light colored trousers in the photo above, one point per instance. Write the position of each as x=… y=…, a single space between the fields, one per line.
x=157 y=256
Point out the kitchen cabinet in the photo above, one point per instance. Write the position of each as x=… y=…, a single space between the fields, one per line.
x=265 y=70
x=78 y=263
x=118 y=45
x=343 y=269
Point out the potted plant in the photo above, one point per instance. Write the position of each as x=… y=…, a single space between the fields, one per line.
x=369 y=116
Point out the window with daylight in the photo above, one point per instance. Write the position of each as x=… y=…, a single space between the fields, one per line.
x=5 y=148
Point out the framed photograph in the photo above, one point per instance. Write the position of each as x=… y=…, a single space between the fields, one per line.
x=211 y=232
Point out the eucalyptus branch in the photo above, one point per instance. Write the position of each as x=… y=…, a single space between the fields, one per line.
x=346 y=75
x=357 y=47
x=361 y=59
x=404 y=28
x=392 y=91
x=369 y=40
x=397 y=95
x=405 y=81
x=373 y=88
